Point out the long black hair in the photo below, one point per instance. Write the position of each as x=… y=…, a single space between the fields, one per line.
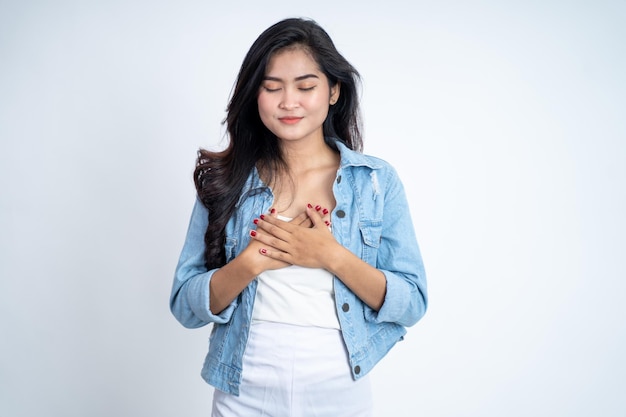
x=220 y=176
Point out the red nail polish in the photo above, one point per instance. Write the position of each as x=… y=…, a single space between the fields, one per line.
x=264 y=251
x=252 y=233
x=262 y=216
x=325 y=211
x=273 y=210
x=318 y=207
x=256 y=221
x=327 y=222
x=309 y=206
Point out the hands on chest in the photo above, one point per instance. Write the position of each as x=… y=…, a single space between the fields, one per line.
x=305 y=240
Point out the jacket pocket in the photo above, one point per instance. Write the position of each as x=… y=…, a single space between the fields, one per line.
x=371 y=235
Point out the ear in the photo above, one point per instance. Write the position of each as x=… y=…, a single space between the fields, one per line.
x=334 y=93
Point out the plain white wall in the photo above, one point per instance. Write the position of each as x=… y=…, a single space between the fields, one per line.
x=504 y=119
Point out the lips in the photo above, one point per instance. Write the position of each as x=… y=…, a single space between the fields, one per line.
x=290 y=120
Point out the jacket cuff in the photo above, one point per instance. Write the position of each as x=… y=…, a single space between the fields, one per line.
x=199 y=295
x=396 y=303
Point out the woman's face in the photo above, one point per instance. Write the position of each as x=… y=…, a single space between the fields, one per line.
x=294 y=96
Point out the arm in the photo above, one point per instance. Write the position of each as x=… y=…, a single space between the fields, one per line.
x=189 y=300
x=199 y=296
x=232 y=278
x=365 y=281
x=399 y=258
x=395 y=289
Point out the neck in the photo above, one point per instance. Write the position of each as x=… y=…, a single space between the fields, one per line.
x=305 y=155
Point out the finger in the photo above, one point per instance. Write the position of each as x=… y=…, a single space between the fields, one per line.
x=325 y=216
x=267 y=240
x=315 y=215
x=274 y=227
x=274 y=254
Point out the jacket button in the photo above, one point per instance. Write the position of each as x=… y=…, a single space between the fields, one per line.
x=345 y=307
x=357 y=369
x=341 y=214
x=339 y=179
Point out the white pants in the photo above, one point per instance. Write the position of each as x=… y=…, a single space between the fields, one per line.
x=295 y=371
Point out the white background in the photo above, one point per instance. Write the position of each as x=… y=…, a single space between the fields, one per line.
x=504 y=119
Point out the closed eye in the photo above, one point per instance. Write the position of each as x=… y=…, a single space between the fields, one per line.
x=271 y=90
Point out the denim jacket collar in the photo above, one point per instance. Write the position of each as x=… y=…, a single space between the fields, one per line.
x=352 y=158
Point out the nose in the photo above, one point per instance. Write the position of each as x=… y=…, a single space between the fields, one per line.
x=289 y=100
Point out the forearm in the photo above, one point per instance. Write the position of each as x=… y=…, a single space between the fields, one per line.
x=365 y=281
x=228 y=282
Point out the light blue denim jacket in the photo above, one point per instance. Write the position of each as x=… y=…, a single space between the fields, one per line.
x=371 y=219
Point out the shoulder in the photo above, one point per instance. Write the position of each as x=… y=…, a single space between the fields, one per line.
x=369 y=171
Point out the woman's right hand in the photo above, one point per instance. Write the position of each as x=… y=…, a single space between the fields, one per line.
x=264 y=263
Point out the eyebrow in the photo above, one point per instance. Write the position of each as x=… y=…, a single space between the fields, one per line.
x=300 y=78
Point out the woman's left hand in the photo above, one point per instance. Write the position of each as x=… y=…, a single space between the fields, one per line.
x=295 y=244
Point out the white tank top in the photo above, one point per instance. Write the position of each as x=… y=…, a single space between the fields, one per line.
x=296 y=295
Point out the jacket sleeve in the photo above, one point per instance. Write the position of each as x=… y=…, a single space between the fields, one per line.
x=400 y=260
x=189 y=300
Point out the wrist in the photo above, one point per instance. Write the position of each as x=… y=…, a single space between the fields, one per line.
x=247 y=264
x=335 y=259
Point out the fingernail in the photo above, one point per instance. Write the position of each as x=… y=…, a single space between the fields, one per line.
x=256 y=221
x=325 y=211
x=273 y=210
x=327 y=222
x=309 y=206
x=262 y=216
x=318 y=207
x=264 y=251
x=252 y=233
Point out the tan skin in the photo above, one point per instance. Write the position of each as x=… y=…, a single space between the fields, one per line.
x=293 y=103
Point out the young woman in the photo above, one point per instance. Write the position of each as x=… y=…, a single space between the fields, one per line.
x=300 y=249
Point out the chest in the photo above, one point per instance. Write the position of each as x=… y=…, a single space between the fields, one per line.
x=291 y=196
